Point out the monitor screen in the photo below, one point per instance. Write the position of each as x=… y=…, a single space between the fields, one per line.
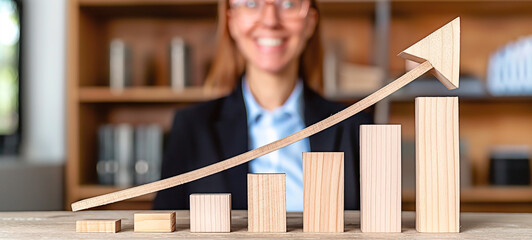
x=9 y=71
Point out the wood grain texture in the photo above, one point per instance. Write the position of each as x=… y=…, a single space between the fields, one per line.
x=267 y=202
x=255 y=153
x=154 y=222
x=98 y=225
x=437 y=165
x=323 y=192
x=210 y=212
x=380 y=178
x=442 y=49
x=59 y=225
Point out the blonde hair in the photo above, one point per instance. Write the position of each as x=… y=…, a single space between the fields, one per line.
x=229 y=64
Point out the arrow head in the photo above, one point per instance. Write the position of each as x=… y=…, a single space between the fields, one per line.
x=442 y=49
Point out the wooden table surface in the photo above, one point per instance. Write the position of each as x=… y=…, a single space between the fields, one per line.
x=62 y=225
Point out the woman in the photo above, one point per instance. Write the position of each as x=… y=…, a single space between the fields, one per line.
x=270 y=55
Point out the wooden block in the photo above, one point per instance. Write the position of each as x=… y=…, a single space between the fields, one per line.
x=154 y=222
x=210 y=212
x=323 y=192
x=437 y=165
x=98 y=225
x=267 y=202
x=380 y=178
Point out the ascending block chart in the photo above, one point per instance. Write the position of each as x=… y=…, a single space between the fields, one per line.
x=267 y=202
x=323 y=192
x=210 y=212
x=437 y=165
x=380 y=178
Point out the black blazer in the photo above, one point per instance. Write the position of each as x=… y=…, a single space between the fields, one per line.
x=216 y=130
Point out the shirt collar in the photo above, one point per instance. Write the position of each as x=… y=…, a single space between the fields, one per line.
x=293 y=105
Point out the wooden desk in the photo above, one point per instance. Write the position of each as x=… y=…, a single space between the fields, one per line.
x=61 y=225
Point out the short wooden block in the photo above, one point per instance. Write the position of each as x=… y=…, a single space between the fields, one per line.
x=210 y=212
x=380 y=178
x=267 y=202
x=98 y=225
x=154 y=222
x=323 y=192
x=437 y=165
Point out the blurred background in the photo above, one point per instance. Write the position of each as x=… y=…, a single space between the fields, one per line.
x=88 y=89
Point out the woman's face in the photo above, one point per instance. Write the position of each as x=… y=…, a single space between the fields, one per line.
x=270 y=41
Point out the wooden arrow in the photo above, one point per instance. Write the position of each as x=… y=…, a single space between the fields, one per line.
x=440 y=52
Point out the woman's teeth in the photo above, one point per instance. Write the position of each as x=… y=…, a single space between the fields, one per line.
x=269 y=42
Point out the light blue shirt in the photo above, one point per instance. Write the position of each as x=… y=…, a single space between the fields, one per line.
x=267 y=126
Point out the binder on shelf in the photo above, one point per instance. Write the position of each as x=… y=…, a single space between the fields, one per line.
x=148 y=153
x=124 y=155
x=106 y=166
x=141 y=158
x=119 y=76
x=155 y=151
x=510 y=165
x=178 y=64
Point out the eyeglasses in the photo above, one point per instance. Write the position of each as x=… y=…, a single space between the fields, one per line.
x=287 y=9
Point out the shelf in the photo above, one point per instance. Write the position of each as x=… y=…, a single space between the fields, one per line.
x=145 y=94
x=475 y=99
x=179 y=2
x=461 y=7
x=463 y=98
x=88 y=191
x=192 y=9
x=112 y=7
x=491 y=194
x=471 y=90
x=142 y=2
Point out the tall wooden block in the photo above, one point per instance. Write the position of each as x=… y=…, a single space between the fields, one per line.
x=380 y=178
x=267 y=202
x=323 y=192
x=437 y=165
x=154 y=222
x=98 y=225
x=210 y=212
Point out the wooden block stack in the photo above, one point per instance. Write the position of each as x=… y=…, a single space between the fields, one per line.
x=154 y=222
x=437 y=165
x=380 y=178
x=98 y=225
x=323 y=192
x=210 y=212
x=267 y=202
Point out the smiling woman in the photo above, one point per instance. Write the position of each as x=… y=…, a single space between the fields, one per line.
x=229 y=63
x=9 y=76
x=269 y=54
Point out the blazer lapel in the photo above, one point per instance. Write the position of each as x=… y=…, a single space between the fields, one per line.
x=231 y=127
x=231 y=131
x=315 y=110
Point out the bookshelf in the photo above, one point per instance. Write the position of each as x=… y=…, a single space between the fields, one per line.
x=147 y=26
